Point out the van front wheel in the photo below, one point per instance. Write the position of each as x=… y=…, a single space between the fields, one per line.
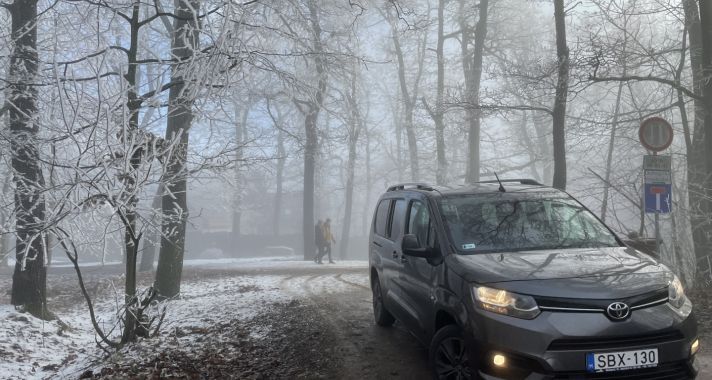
x=449 y=358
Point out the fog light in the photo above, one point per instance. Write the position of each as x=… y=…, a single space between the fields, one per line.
x=695 y=347
x=499 y=360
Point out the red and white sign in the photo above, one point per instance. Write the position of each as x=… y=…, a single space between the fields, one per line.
x=655 y=134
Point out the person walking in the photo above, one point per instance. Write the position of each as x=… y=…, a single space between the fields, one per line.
x=328 y=239
x=319 y=241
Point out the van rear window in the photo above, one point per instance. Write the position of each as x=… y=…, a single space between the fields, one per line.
x=381 y=222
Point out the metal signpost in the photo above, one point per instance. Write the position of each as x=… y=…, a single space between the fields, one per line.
x=656 y=135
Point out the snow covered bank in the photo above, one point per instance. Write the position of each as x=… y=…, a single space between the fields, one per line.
x=274 y=262
x=210 y=296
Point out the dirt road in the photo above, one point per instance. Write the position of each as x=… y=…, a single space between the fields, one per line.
x=304 y=322
x=284 y=320
x=365 y=351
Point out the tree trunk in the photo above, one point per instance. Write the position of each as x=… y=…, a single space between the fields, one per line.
x=706 y=180
x=310 y=128
x=310 y=152
x=180 y=116
x=354 y=132
x=399 y=143
x=128 y=211
x=3 y=248
x=679 y=237
x=409 y=106
x=281 y=160
x=529 y=146
x=438 y=115
x=369 y=184
x=150 y=244
x=6 y=245
x=541 y=126
x=348 y=206
x=562 y=91
x=697 y=203
x=611 y=146
x=473 y=75
x=614 y=123
x=29 y=281
x=131 y=244
x=241 y=114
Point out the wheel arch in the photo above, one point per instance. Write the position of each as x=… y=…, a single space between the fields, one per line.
x=442 y=319
x=373 y=274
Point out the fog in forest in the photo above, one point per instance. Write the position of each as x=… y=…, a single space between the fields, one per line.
x=155 y=152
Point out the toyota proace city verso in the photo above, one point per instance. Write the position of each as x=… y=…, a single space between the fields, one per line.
x=515 y=280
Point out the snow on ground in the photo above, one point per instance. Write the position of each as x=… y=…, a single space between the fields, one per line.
x=68 y=264
x=356 y=279
x=227 y=306
x=203 y=305
x=275 y=262
x=32 y=349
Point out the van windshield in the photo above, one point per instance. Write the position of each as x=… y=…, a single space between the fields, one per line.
x=498 y=222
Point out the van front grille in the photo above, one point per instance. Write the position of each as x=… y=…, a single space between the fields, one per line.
x=665 y=371
x=604 y=343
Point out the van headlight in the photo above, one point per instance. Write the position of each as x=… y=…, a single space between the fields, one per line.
x=676 y=293
x=506 y=303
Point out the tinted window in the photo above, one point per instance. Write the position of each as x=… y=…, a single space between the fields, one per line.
x=398 y=219
x=382 y=217
x=487 y=223
x=419 y=223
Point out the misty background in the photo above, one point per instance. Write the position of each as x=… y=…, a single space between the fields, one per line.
x=146 y=133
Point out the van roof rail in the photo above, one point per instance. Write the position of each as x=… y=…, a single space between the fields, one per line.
x=412 y=185
x=523 y=181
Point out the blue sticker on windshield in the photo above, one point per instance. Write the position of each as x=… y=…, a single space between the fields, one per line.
x=469 y=246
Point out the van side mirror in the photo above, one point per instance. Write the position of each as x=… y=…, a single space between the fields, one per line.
x=411 y=246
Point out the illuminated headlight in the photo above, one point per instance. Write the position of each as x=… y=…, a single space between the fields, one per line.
x=507 y=303
x=695 y=347
x=676 y=293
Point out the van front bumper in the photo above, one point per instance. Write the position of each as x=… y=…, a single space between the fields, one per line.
x=554 y=345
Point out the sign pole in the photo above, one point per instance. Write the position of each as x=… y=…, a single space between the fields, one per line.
x=657 y=221
x=656 y=135
x=657 y=233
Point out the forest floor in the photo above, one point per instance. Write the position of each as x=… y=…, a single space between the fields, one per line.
x=235 y=319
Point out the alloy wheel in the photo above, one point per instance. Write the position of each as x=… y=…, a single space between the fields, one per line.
x=377 y=298
x=451 y=361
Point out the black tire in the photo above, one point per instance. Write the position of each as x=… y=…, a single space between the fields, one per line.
x=449 y=358
x=382 y=316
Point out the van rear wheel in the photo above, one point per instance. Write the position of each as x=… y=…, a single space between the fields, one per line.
x=449 y=357
x=382 y=316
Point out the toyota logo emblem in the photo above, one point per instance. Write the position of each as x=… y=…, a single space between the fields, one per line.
x=618 y=311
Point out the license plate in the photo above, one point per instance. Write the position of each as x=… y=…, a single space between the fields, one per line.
x=617 y=361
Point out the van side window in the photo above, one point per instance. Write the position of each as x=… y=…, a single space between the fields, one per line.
x=382 y=217
x=397 y=220
x=419 y=223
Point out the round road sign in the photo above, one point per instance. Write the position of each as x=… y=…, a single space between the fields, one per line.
x=655 y=134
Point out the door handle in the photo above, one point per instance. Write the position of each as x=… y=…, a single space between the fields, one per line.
x=377 y=244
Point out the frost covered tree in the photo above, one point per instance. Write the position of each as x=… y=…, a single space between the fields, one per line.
x=185 y=42
x=560 y=101
x=29 y=278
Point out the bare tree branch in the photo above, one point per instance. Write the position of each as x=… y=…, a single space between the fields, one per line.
x=648 y=78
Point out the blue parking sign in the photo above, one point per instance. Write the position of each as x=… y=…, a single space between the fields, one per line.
x=658 y=198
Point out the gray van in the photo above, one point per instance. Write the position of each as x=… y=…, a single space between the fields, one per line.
x=515 y=280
